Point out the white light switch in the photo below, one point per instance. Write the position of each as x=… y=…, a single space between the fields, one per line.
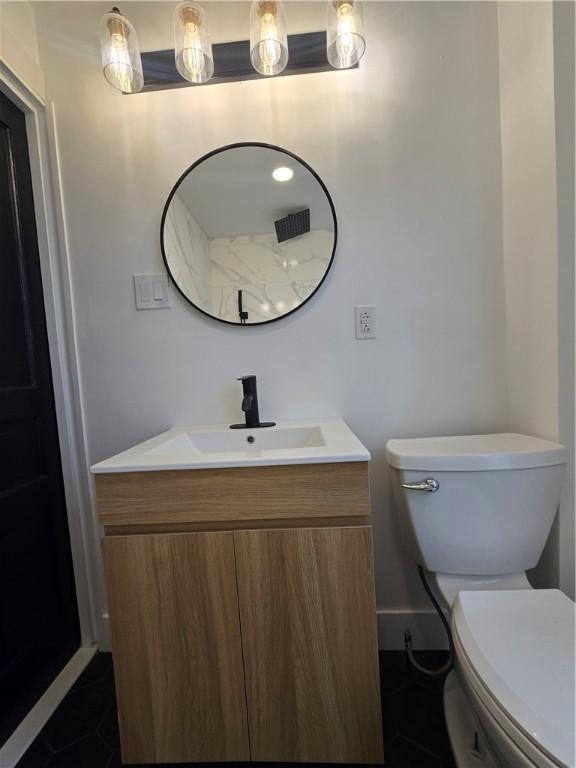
x=151 y=291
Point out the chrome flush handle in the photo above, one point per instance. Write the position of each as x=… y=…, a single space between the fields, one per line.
x=429 y=485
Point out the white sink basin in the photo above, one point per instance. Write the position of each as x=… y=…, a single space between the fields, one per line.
x=290 y=442
x=219 y=441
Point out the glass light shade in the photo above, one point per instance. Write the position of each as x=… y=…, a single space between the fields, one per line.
x=345 y=44
x=268 y=37
x=121 y=62
x=192 y=47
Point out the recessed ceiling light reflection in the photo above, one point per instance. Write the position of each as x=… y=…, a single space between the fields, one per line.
x=283 y=173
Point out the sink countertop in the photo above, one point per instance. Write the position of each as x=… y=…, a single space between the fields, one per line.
x=302 y=441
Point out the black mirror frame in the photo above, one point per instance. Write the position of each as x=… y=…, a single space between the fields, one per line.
x=206 y=157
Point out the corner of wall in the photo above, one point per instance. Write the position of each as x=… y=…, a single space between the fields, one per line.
x=564 y=25
x=538 y=244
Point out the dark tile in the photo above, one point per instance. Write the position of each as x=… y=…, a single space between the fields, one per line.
x=78 y=715
x=108 y=730
x=389 y=720
x=420 y=718
x=116 y=762
x=401 y=753
x=83 y=732
x=394 y=672
x=432 y=660
x=90 y=752
x=36 y=755
x=100 y=668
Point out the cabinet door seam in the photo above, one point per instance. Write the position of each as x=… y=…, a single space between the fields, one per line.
x=242 y=645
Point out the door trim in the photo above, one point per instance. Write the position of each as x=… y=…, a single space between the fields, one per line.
x=41 y=128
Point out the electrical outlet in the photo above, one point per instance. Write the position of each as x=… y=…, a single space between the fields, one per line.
x=365 y=322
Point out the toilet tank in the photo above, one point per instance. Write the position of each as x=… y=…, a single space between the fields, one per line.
x=494 y=506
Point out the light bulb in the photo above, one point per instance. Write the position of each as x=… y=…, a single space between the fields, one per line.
x=192 y=48
x=345 y=31
x=119 y=67
x=270 y=49
x=268 y=37
x=345 y=44
x=121 y=62
x=192 y=53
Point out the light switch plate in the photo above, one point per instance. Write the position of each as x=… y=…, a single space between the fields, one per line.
x=152 y=291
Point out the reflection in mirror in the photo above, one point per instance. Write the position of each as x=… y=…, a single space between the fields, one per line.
x=248 y=234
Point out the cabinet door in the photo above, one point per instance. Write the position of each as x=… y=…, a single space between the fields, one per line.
x=177 y=651
x=310 y=649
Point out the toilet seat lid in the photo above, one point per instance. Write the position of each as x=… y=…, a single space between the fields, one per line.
x=521 y=645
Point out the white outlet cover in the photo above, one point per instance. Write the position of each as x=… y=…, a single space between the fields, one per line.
x=365 y=322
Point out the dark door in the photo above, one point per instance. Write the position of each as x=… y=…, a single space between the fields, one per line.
x=38 y=614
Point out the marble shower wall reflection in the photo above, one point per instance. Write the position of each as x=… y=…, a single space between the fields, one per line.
x=274 y=277
x=188 y=254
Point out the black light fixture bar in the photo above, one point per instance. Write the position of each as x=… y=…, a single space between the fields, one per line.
x=232 y=63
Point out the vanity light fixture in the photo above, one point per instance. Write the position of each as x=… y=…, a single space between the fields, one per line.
x=195 y=61
x=121 y=61
x=268 y=37
x=192 y=47
x=283 y=173
x=345 y=43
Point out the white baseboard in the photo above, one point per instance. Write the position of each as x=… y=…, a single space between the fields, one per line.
x=13 y=749
x=427 y=631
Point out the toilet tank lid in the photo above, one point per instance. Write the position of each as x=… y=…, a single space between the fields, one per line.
x=468 y=453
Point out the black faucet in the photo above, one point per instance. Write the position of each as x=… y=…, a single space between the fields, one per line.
x=250 y=405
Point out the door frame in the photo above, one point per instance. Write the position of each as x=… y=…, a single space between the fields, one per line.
x=41 y=129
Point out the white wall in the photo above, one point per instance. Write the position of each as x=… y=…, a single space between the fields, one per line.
x=529 y=215
x=537 y=274
x=19 y=44
x=409 y=147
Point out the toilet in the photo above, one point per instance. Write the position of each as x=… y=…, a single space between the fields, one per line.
x=475 y=511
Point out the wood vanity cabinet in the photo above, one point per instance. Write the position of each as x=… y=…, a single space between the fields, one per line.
x=243 y=633
x=177 y=649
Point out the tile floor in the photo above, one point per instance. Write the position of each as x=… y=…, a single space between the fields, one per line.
x=83 y=732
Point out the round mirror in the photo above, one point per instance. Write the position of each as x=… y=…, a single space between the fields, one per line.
x=248 y=233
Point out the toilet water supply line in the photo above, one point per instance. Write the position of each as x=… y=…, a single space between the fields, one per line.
x=447 y=666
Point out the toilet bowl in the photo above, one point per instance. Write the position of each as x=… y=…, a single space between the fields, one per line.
x=476 y=511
